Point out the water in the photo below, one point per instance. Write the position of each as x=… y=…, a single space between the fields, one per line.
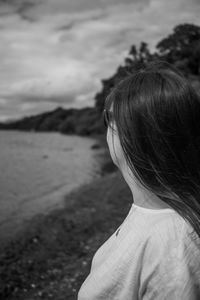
x=37 y=171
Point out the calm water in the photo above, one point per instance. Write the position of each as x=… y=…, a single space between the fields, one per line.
x=37 y=170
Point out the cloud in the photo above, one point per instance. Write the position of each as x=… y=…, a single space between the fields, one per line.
x=20 y=7
x=60 y=57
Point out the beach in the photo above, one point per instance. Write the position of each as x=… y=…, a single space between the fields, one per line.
x=50 y=256
x=37 y=171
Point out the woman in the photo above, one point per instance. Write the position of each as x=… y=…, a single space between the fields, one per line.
x=153 y=134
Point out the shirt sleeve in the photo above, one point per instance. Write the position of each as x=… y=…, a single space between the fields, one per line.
x=171 y=268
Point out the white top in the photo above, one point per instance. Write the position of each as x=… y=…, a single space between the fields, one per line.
x=153 y=256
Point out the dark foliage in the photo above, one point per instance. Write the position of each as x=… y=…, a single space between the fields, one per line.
x=182 y=48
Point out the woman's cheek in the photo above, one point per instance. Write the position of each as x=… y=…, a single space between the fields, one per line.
x=115 y=148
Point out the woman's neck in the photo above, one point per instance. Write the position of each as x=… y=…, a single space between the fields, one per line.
x=141 y=196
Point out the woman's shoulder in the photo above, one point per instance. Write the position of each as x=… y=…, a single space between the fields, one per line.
x=159 y=224
x=171 y=259
x=170 y=226
x=174 y=234
x=161 y=230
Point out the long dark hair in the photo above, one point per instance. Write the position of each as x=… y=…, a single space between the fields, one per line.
x=157 y=115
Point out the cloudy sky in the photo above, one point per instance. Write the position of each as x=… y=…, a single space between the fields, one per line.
x=55 y=52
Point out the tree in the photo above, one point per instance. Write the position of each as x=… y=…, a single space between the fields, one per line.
x=136 y=58
x=182 y=47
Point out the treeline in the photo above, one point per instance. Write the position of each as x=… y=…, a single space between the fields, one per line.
x=181 y=48
x=86 y=121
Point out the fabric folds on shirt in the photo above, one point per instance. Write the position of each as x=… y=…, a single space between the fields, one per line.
x=154 y=256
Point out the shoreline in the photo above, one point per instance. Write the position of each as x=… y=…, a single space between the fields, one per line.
x=49 y=183
x=51 y=257
x=57 y=196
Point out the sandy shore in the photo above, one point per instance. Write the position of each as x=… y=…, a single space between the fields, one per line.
x=39 y=170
